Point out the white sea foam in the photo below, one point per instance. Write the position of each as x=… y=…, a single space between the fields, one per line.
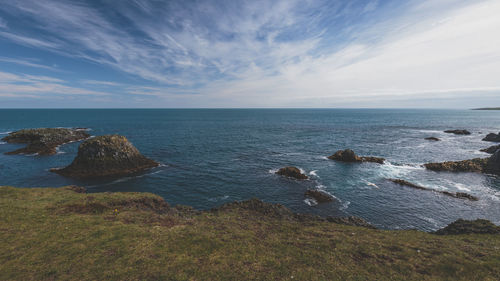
x=2 y=142
x=324 y=158
x=313 y=173
x=395 y=170
x=461 y=187
x=311 y=202
x=371 y=184
x=345 y=205
x=5 y=133
x=218 y=198
x=273 y=171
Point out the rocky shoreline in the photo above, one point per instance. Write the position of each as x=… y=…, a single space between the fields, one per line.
x=348 y=155
x=44 y=141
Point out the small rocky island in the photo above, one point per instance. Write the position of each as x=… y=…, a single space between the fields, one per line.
x=44 y=141
x=292 y=172
x=432 y=139
x=348 y=155
x=106 y=156
x=458 y=132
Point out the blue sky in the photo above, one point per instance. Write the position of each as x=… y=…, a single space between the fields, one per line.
x=309 y=53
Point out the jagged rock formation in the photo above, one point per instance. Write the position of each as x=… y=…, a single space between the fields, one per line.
x=491 y=149
x=492 y=137
x=460 y=226
x=458 y=132
x=292 y=172
x=319 y=195
x=477 y=165
x=348 y=155
x=432 y=139
x=460 y=195
x=44 y=141
x=106 y=156
x=493 y=164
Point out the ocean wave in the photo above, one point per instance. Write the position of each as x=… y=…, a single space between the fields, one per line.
x=311 y=202
x=2 y=142
x=5 y=133
x=324 y=158
x=461 y=187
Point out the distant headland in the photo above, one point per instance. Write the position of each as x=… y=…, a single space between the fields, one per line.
x=487 y=108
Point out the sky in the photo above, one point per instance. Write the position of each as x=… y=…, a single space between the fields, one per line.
x=250 y=54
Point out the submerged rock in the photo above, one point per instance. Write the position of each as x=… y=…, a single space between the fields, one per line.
x=492 y=137
x=477 y=165
x=292 y=172
x=460 y=226
x=106 y=156
x=491 y=149
x=348 y=155
x=319 y=195
x=459 y=195
x=44 y=141
x=432 y=139
x=458 y=132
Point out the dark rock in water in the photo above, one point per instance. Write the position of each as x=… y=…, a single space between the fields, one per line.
x=319 y=195
x=345 y=156
x=491 y=149
x=106 y=156
x=409 y=184
x=473 y=165
x=44 y=141
x=348 y=155
x=460 y=226
x=354 y=221
x=466 y=196
x=292 y=172
x=492 y=137
x=459 y=195
x=458 y=132
x=493 y=165
x=432 y=139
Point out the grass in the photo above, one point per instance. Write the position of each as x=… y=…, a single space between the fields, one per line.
x=59 y=234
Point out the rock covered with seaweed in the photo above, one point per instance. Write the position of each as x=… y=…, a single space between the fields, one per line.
x=106 y=156
x=348 y=155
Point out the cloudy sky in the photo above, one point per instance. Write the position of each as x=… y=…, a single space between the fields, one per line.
x=308 y=53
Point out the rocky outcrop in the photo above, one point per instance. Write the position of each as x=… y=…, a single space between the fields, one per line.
x=44 y=141
x=432 y=139
x=458 y=132
x=459 y=195
x=319 y=195
x=491 y=149
x=477 y=165
x=460 y=226
x=106 y=156
x=292 y=172
x=492 y=137
x=348 y=155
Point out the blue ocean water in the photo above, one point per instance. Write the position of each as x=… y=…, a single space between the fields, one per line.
x=213 y=156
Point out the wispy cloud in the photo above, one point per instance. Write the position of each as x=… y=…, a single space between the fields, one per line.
x=29 y=63
x=273 y=53
x=3 y=23
x=12 y=85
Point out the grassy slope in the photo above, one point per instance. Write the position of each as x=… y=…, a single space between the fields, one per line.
x=42 y=238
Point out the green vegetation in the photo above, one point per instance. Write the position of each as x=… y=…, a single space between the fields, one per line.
x=59 y=234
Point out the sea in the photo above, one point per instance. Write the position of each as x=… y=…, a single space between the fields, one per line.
x=214 y=156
